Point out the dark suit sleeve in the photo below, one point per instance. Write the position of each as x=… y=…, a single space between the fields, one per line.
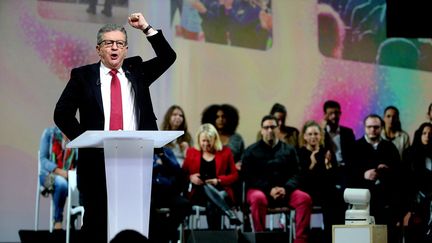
x=347 y=144
x=294 y=169
x=252 y=173
x=67 y=106
x=165 y=57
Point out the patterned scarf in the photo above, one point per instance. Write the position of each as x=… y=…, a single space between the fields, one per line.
x=64 y=158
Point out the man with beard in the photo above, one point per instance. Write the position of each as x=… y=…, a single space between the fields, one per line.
x=271 y=172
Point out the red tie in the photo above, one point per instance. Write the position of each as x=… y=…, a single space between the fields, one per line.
x=116 y=117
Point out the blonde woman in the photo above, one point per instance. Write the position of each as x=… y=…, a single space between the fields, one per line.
x=211 y=171
x=318 y=166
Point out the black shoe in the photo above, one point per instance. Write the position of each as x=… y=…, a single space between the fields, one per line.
x=91 y=10
x=106 y=13
x=233 y=218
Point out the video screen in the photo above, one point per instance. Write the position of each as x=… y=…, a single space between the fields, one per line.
x=92 y=11
x=356 y=30
x=239 y=23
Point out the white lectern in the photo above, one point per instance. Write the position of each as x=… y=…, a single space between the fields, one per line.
x=128 y=168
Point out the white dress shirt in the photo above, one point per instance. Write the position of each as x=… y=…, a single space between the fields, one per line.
x=128 y=108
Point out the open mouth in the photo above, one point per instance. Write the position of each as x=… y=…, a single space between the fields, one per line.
x=114 y=56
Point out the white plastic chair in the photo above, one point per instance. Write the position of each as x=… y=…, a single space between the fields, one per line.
x=39 y=190
x=286 y=220
x=72 y=205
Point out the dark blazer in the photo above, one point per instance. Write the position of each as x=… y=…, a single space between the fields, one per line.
x=366 y=157
x=83 y=91
x=347 y=140
x=225 y=167
x=265 y=167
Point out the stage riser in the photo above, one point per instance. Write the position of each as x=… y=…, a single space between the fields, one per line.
x=196 y=236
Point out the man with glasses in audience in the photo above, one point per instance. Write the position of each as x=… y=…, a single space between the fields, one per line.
x=112 y=94
x=376 y=166
x=271 y=172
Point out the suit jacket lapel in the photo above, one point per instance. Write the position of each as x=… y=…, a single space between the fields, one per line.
x=131 y=78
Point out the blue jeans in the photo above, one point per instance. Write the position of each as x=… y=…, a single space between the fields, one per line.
x=59 y=196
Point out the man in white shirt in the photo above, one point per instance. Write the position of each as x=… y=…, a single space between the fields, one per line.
x=109 y=95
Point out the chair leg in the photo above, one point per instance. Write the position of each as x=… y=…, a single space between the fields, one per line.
x=68 y=218
x=197 y=219
x=292 y=226
x=36 y=222
x=283 y=222
x=181 y=233
x=271 y=222
x=252 y=223
x=51 y=220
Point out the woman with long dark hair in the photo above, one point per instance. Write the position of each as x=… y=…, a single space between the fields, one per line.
x=175 y=120
x=393 y=129
x=418 y=161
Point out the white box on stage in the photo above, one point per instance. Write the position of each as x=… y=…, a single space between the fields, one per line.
x=128 y=168
x=360 y=233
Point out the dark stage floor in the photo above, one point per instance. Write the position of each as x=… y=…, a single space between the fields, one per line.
x=196 y=236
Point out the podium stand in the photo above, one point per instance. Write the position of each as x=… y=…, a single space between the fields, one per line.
x=128 y=168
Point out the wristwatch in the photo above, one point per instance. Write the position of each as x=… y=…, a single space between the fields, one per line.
x=146 y=30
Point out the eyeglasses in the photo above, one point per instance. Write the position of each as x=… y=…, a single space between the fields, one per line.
x=110 y=43
x=267 y=127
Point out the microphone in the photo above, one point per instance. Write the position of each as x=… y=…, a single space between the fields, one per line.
x=127 y=74
x=98 y=82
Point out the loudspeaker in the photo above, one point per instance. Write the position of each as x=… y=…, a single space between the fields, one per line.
x=208 y=236
x=264 y=237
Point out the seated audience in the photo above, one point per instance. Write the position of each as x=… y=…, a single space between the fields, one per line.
x=211 y=171
x=271 y=172
x=175 y=120
x=55 y=161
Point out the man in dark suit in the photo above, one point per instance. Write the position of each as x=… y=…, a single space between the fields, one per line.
x=339 y=139
x=112 y=94
x=376 y=166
